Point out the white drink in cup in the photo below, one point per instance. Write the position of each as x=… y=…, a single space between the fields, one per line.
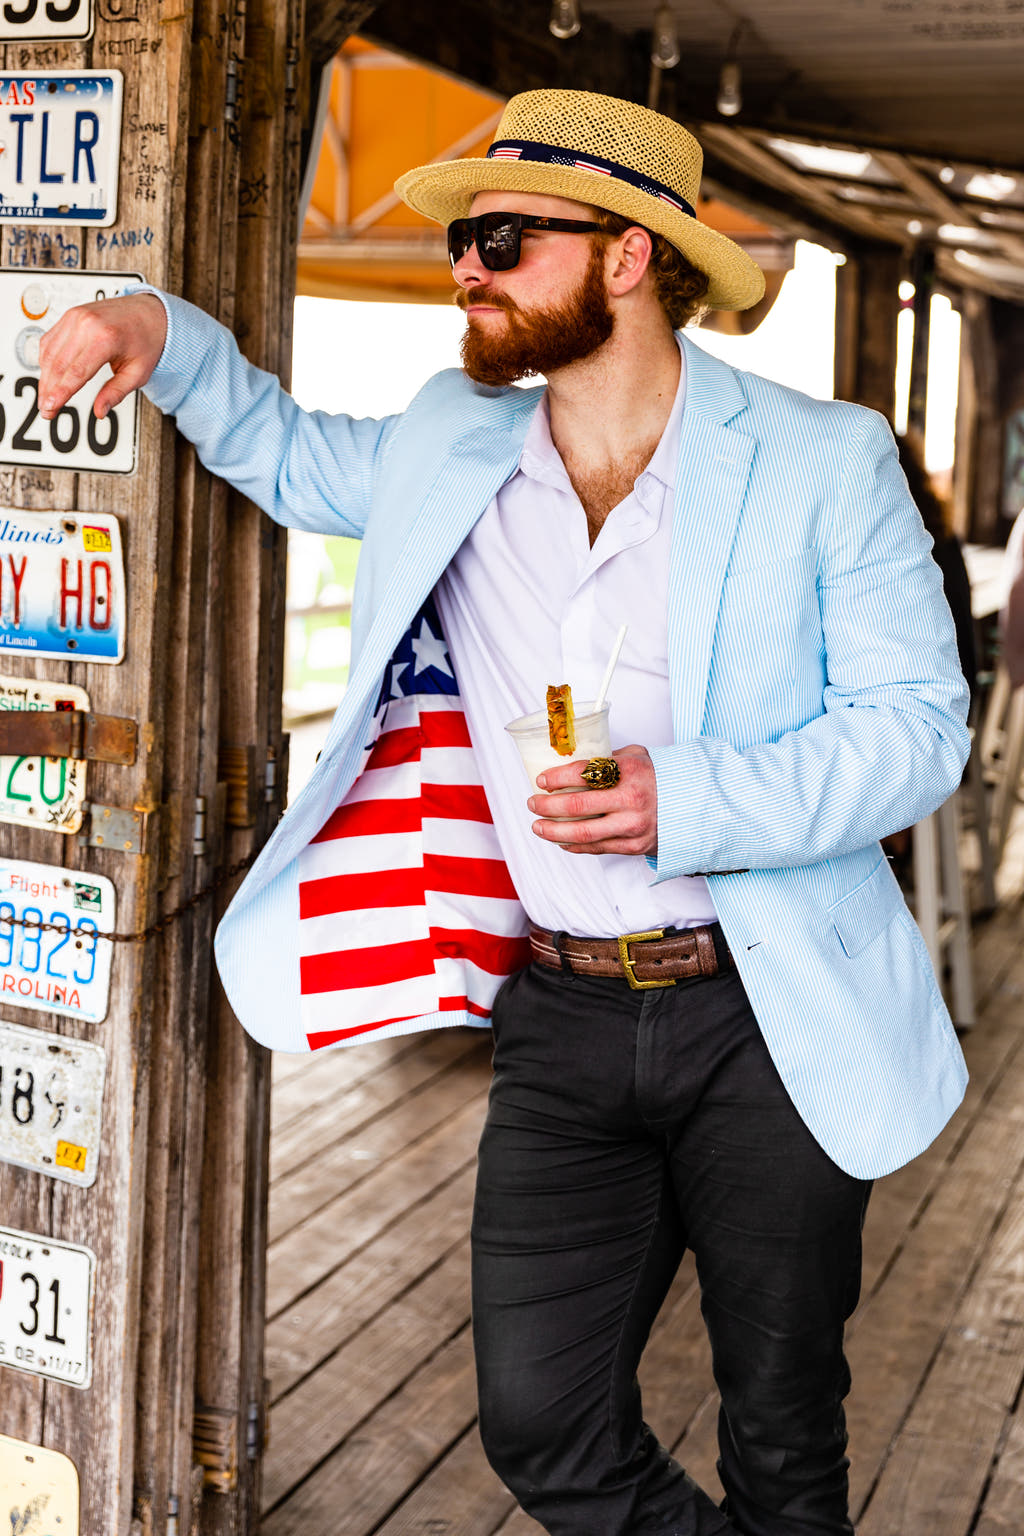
x=530 y=734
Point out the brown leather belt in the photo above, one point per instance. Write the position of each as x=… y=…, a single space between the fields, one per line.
x=643 y=959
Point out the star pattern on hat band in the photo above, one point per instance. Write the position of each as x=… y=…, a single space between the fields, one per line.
x=553 y=154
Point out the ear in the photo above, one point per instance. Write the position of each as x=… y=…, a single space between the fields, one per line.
x=628 y=258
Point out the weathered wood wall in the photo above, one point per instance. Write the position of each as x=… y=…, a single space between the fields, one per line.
x=209 y=188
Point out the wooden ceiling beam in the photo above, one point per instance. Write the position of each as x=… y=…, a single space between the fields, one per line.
x=937 y=201
x=328 y=23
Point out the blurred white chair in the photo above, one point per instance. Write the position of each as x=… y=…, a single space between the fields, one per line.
x=940 y=905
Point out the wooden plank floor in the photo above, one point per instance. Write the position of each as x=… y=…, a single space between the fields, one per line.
x=368 y=1350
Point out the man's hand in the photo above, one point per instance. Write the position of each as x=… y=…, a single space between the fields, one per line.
x=127 y=333
x=626 y=816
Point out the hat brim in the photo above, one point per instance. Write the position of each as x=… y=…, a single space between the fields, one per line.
x=445 y=190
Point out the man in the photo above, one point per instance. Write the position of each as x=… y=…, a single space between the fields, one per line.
x=730 y=1025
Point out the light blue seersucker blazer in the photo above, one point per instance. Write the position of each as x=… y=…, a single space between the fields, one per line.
x=817 y=699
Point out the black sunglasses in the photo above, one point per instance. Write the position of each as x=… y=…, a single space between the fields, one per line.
x=498 y=236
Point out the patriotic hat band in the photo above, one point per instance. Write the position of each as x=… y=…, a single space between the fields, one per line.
x=603 y=152
x=551 y=154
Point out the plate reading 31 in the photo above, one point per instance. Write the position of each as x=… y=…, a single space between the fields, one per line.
x=34 y=21
x=51 y=1098
x=30 y=303
x=46 y=1306
x=44 y=792
x=60 y=146
x=52 y=969
x=61 y=585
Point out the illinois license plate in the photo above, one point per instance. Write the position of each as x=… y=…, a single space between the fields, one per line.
x=46 y=1291
x=61 y=585
x=51 y=1099
x=30 y=303
x=53 y=956
x=34 y=21
x=60 y=132
x=44 y=792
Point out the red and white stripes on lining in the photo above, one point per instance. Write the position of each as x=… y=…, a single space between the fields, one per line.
x=406 y=907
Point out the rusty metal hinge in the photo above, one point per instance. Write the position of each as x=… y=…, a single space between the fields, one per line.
x=69 y=733
x=215 y=1443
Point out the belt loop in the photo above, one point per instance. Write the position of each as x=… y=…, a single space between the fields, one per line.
x=557 y=940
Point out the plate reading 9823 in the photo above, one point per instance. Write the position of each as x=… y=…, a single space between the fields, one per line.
x=30 y=303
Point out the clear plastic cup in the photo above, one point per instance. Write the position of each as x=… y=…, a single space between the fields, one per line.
x=530 y=734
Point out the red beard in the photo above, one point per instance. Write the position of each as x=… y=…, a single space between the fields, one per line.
x=541 y=340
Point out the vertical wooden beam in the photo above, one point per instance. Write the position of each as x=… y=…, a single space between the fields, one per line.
x=988 y=434
x=867 y=305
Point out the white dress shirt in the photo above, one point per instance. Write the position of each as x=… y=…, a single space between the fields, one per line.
x=526 y=603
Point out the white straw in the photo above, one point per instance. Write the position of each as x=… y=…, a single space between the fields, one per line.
x=609 y=669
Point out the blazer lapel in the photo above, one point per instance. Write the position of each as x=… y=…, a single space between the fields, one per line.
x=711 y=481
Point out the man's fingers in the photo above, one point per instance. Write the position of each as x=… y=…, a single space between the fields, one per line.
x=128 y=334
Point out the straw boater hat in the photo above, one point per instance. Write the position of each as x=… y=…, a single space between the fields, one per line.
x=599 y=150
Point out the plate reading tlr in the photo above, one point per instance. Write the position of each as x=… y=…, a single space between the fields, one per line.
x=30 y=303
x=51 y=1099
x=65 y=966
x=46 y=1306
x=34 y=21
x=62 y=588
x=60 y=135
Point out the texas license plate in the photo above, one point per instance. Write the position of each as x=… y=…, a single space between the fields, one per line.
x=33 y=21
x=51 y=1099
x=44 y=792
x=53 y=956
x=46 y=1291
x=30 y=303
x=62 y=588
x=61 y=137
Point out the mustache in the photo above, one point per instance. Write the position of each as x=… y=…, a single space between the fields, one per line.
x=464 y=297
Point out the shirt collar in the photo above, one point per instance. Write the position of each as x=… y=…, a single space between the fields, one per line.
x=540 y=459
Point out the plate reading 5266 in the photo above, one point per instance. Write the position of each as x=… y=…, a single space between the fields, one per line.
x=30 y=303
x=46 y=1306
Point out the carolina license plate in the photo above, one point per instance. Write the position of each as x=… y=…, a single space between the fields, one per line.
x=34 y=21
x=61 y=585
x=60 y=132
x=51 y=1099
x=30 y=303
x=46 y=1306
x=53 y=956
x=42 y=791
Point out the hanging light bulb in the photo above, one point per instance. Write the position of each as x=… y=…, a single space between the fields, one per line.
x=730 y=93
x=664 y=39
x=565 y=18
x=729 y=100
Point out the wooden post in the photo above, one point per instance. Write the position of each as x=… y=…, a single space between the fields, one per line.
x=867 y=305
x=922 y=275
x=209 y=189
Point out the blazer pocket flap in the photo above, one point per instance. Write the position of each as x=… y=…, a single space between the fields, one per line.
x=867 y=910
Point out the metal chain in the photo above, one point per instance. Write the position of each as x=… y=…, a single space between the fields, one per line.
x=141 y=937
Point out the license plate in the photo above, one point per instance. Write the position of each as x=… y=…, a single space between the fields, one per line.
x=51 y=1098
x=44 y=792
x=55 y=969
x=46 y=1291
x=34 y=21
x=30 y=303
x=60 y=146
x=61 y=585
x=36 y=1481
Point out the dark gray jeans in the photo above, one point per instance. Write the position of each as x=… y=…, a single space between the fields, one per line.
x=624 y=1127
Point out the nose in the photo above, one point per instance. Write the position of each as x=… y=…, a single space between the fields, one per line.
x=469 y=271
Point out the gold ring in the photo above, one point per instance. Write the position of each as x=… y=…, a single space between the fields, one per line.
x=601 y=773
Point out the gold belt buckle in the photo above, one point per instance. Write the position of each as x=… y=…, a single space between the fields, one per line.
x=623 y=941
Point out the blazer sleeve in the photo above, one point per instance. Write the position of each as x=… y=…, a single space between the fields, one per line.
x=891 y=742
x=307 y=469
